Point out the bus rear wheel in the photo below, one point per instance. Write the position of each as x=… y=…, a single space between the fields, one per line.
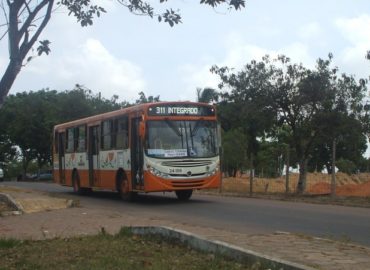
x=124 y=190
x=184 y=195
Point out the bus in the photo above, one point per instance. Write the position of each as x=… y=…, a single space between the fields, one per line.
x=151 y=147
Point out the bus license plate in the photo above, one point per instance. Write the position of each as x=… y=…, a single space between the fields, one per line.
x=175 y=170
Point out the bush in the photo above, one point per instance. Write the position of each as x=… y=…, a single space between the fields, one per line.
x=346 y=166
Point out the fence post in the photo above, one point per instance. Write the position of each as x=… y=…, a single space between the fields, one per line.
x=287 y=190
x=251 y=173
x=333 y=180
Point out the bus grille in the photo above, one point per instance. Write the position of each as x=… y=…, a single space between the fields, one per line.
x=187 y=183
x=187 y=163
x=186 y=175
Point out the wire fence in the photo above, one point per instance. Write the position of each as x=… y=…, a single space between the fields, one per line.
x=316 y=184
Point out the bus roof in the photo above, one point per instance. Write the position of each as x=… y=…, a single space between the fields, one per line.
x=132 y=109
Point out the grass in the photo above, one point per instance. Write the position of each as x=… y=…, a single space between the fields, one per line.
x=103 y=251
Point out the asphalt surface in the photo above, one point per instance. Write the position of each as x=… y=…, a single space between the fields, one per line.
x=241 y=215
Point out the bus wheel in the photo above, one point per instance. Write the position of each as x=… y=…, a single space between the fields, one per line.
x=184 y=195
x=124 y=190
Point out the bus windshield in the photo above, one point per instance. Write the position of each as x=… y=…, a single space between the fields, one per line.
x=179 y=139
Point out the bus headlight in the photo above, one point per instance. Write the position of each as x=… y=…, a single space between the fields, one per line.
x=213 y=172
x=158 y=173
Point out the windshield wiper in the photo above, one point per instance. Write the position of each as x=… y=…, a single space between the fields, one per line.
x=176 y=130
x=195 y=129
x=173 y=127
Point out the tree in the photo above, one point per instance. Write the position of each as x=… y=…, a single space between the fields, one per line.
x=7 y=150
x=207 y=95
x=25 y=20
x=234 y=145
x=29 y=128
x=144 y=99
x=32 y=117
x=318 y=105
x=310 y=111
x=269 y=159
x=249 y=96
x=350 y=142
x=298 y=96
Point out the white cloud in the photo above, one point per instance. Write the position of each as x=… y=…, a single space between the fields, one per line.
x=357 y=32
x=194 y=76
x=299 y=53
x=91 y=65
x=238 y=54
x=310 y=31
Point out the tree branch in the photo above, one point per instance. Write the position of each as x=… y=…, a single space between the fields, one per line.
x=32 y=16
x=14 y=37
x=26 y=46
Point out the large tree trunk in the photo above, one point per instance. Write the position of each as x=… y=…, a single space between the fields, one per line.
x=301 y=186
x=8 y=78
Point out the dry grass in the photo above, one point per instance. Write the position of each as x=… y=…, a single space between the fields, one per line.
x=317 y=183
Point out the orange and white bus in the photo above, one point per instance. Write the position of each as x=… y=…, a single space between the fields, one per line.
x=164 y=146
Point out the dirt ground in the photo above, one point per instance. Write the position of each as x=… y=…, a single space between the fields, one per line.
x=317 y=183
x=4 y=207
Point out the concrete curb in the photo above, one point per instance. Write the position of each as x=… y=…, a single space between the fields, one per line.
x=13 y=203
x=249 y=257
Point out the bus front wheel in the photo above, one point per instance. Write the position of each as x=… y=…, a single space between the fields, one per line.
x=184 y=195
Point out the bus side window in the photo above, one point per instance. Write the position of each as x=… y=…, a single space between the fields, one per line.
x=121 y=127
x=70 y=140
x=106 y=135
x=81 y=139
x=75 y=139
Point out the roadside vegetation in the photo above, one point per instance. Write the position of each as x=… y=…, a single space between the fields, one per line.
x=103 y=251
x=274 y=115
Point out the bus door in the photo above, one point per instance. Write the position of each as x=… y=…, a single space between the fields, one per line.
x=93 y=155
x=62 y=164
x=136 y=154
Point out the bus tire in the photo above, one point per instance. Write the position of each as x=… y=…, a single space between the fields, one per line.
x=124 y=189
x=184 y=195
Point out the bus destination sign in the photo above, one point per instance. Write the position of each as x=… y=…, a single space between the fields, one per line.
x=181 y=110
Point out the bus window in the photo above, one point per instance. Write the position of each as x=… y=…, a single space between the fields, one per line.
x=81 y=143
x=70 y=140
x=122 y=133
x=106 y=135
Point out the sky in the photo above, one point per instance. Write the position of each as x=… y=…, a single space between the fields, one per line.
x=123 y=54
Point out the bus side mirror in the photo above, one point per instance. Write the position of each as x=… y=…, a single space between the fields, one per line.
x=142 y=129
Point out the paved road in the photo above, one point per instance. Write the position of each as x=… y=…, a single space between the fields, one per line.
x=244 y=215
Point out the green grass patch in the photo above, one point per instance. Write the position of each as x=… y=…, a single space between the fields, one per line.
x=104 y=251
x=9 y=243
